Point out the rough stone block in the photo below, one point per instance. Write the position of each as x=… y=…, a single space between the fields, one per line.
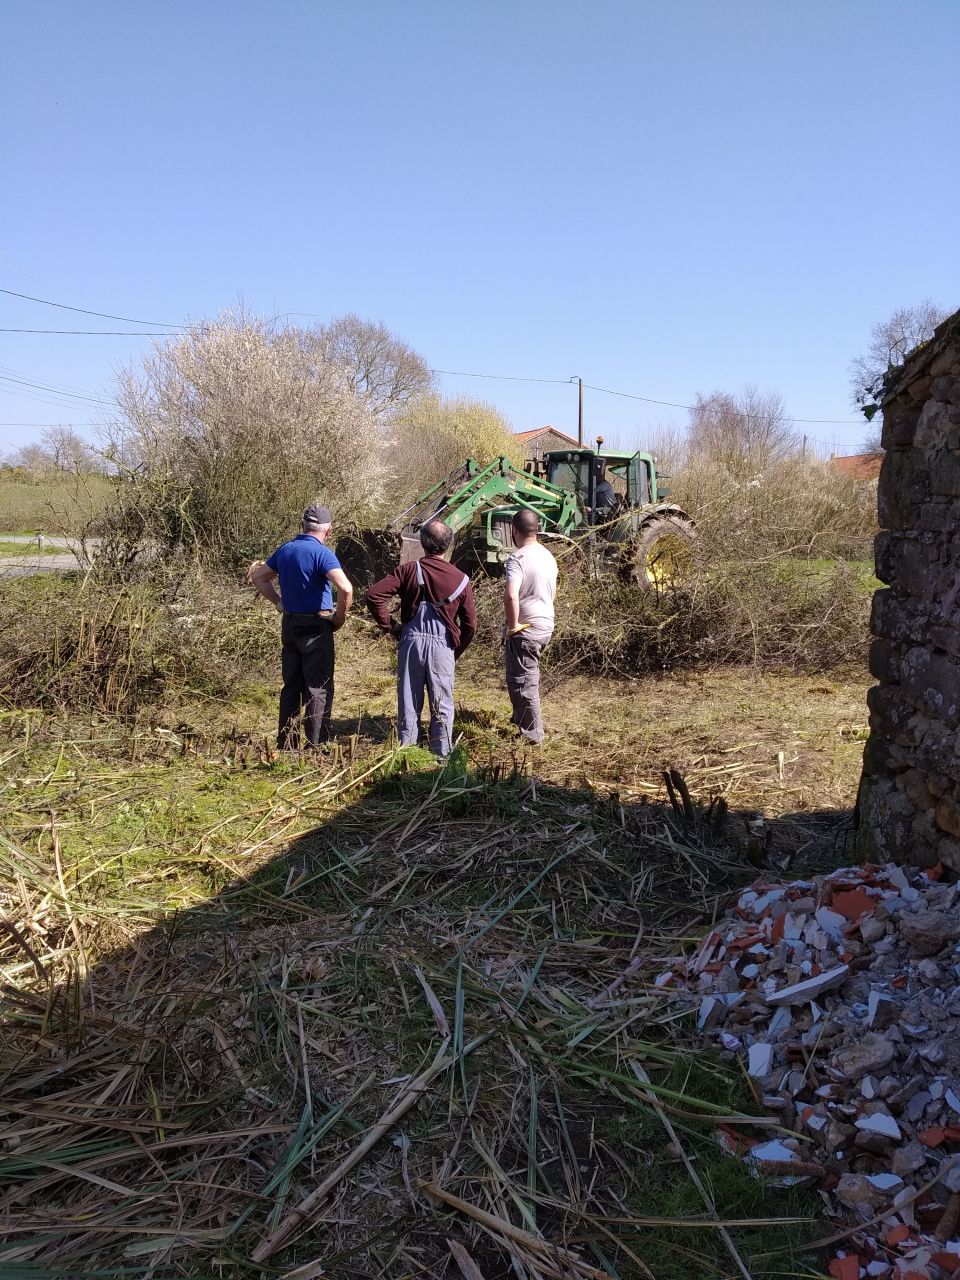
x=886 y=818
x=933 y=428
x=948 y=852
x=916 y=565
x=947 y=637
x=934 y=748
x=884 y=548
x=945 y=473
x=883 y=661
x=913 y=784
x=940 y=515
x=900 y=418
x=948 y=817
x=946 y=361
x=897 y=619
x=891 y=714
x=877 y=756
x=931 y=681
x=903 y=487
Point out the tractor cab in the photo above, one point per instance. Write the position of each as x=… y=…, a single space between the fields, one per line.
x=608 y=482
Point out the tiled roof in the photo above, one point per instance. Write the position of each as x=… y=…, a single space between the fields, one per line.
x=538 y=431
x=859 y=466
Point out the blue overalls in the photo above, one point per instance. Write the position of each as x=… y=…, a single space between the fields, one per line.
x=425 y=661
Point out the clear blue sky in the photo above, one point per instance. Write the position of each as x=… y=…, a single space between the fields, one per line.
x=665 y=197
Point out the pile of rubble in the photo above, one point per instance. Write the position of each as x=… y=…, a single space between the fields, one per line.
x=842 y=994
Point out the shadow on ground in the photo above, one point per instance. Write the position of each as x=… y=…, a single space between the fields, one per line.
x=459 y=967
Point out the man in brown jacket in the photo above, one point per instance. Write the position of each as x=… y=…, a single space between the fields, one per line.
x=438 y=619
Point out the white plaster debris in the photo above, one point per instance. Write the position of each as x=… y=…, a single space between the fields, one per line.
x=801 y=992
x=760 y=1059
x=848 y=1011
x=885 y=1125
x=831 y=922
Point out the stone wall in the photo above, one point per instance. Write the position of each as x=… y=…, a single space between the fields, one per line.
x=910 y=795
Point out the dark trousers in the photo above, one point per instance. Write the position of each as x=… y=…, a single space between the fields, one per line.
x=307 y=665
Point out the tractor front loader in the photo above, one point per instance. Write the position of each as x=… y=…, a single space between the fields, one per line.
x=610 y=503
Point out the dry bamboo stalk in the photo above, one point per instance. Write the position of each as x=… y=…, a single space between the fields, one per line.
x=308 y=1271
x=19 y=939
x=468 y=1268
x=74 y=926
x=546 y=1252
x=301 y=1214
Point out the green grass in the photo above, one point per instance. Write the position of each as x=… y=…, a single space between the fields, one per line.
x=56 y=504
x=663 y=1180
x=818 y=570
x=29 y=549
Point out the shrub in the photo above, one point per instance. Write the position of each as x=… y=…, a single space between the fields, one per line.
x=433 y=435
x=72 y=642
x=795 y=506
x=768 y=612
x=227 y=433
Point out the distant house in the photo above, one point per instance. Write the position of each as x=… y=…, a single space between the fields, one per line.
x=859 y=466
x=543 y=440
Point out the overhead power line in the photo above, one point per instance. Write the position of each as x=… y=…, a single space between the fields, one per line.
x=501 y=377
x=41 y=386
x=627 y=395
x=106 y=333
x=84 y=311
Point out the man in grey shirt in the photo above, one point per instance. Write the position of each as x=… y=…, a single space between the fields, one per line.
x=528 y=607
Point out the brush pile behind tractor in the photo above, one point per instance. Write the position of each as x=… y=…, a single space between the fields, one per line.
x=607 y=505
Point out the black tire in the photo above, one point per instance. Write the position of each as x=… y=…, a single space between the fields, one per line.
x=664 y=554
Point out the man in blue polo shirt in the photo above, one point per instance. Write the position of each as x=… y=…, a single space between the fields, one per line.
x=306 y=571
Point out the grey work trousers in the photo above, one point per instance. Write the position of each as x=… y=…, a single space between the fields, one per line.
x=522 y=657
x=306 y=661
x=425 y=662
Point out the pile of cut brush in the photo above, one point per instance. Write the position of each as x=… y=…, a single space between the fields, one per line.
x=366 y=555
x=842 y=994
x=408 y=1035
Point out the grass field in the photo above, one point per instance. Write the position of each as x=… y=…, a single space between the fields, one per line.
x=231 y=968
x=27 y=549
x=63 y=504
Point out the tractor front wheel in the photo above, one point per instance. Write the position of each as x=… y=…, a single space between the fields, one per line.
x=664 y=553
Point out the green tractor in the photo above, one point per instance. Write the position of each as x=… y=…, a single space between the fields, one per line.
x=609 y=502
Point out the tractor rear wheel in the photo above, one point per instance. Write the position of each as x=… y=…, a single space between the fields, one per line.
x=664 y=553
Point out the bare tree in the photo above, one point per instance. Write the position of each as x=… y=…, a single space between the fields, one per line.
x=68 y=451
x=377 y=364
x=891 y=341
x=34 y=458
x=228 y=431
x=669 y=446
x=743 y=433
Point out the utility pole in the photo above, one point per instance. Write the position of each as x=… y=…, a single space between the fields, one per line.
x=580 y=413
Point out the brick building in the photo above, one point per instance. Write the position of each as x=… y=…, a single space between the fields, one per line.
x=544 y=439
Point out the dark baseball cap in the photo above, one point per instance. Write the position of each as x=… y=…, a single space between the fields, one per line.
x=315 y=514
